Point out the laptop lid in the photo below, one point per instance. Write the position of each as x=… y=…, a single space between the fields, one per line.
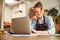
x=21 y=25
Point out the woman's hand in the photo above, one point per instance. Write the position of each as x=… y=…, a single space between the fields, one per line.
x=36 y=32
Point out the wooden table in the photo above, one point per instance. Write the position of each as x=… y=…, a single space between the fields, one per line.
x=9 y=37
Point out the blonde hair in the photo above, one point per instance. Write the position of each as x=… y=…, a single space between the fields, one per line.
x=37 y=5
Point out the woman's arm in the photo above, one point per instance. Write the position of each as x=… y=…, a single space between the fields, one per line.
x=40 y=32
x=51 y=27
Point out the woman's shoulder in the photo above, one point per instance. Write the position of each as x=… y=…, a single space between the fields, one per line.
x=48 y=17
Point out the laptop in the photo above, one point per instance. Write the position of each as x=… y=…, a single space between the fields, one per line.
x=21 y=25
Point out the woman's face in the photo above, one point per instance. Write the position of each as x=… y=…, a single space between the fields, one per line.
x=37 y=12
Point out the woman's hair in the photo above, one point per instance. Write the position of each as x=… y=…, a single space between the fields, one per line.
x=38 y=5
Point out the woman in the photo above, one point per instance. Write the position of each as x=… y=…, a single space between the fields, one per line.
x=41 y=24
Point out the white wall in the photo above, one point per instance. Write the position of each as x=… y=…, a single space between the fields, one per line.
x=21 y=7
x=7 y=14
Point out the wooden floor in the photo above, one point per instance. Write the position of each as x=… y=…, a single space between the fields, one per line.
x=9 y=37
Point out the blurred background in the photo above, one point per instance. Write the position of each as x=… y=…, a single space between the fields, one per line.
x=20 y=8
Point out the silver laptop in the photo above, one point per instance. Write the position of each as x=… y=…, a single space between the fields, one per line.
x=21 y=25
